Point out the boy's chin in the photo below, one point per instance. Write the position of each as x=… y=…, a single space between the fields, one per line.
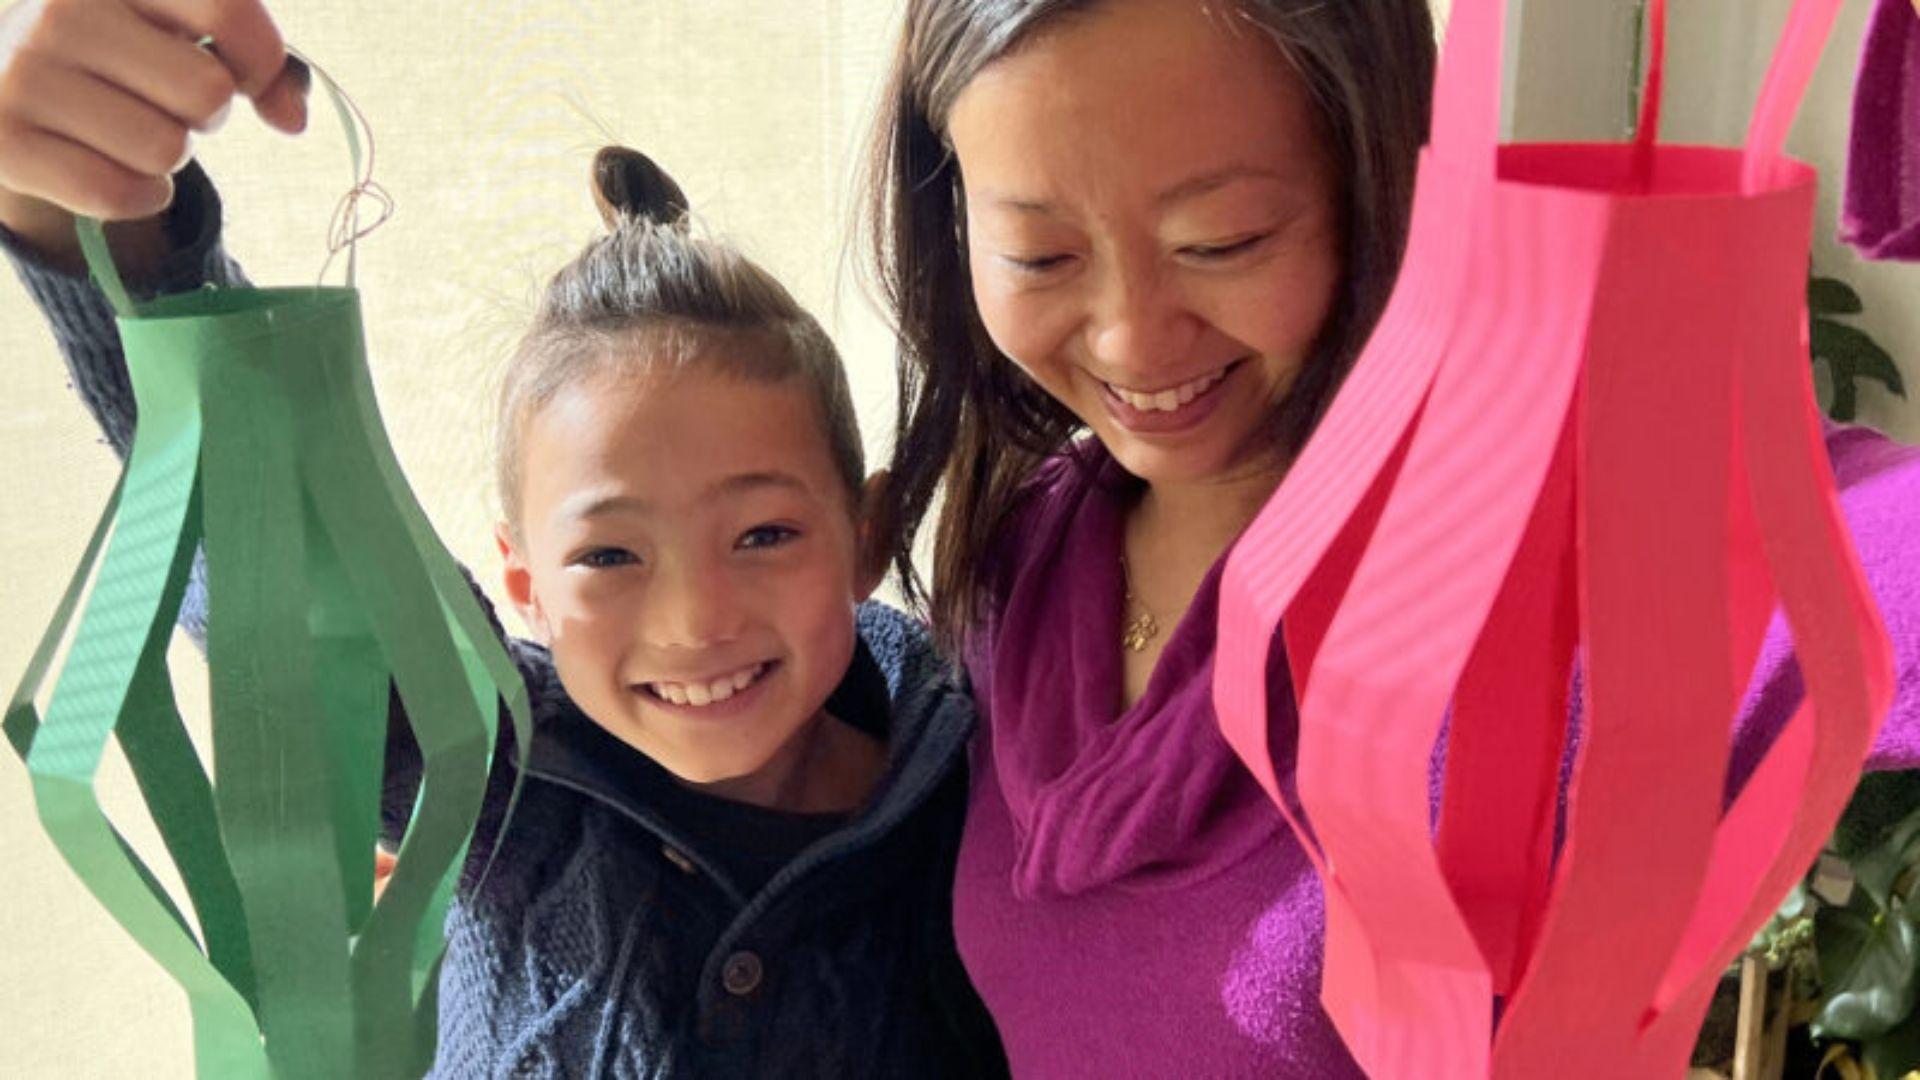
x=734 y=773
x=713 y=774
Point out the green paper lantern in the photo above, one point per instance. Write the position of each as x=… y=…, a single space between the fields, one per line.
x=260 y=438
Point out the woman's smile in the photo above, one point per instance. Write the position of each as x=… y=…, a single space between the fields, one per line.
x=1175 y=408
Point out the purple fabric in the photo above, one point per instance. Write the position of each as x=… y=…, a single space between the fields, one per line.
x=1880 y=214
x=1879 y=482
x=1125 y=902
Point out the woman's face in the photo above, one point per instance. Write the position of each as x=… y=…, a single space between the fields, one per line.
x=1152 y=228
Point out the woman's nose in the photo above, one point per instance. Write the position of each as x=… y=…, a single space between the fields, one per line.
x=1139 y=324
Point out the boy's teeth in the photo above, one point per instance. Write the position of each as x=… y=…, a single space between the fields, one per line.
x=698 y=694
x=1168 y=400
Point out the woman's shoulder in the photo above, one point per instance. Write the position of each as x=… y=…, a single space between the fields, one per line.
x=1878 y=482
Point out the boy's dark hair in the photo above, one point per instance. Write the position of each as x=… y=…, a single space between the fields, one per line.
x=967 y=417
x=652 y=295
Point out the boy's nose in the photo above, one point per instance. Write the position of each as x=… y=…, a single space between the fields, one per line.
x=693 y=608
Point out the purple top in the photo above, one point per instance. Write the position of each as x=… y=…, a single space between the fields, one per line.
x=1880 y=214
x=1126 y=901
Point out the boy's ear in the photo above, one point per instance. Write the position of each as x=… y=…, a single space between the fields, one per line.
x=875 y=551
x=519 y=582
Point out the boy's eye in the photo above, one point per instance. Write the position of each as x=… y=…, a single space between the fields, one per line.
x=765 y=536
x=605 y=558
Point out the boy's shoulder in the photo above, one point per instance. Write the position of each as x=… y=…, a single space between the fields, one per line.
x=902 y=647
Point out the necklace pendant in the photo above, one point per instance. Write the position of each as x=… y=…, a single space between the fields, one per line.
x=1139 y=630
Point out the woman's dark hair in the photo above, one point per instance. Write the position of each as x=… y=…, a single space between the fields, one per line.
x=968 y=417
x=654 y=294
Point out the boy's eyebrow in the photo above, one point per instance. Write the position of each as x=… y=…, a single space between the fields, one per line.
x=744 y=482
x=737 y=484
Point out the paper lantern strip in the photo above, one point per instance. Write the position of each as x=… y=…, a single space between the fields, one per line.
x=259 y=436
x=1584 y=425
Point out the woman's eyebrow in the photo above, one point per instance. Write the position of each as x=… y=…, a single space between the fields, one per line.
x=1190 y=188
x=1195 y=186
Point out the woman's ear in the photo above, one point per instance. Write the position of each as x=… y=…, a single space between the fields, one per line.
x=875 y=550
x=518 y=579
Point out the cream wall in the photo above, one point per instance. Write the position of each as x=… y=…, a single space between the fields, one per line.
x=1721 y=51
x=486 y=115
x=1572 y=61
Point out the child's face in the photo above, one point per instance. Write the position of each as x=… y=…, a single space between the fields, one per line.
x=688 y=552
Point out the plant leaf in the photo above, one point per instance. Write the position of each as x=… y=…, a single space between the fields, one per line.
x=1845 y=401
x=1896 y=1053
x=1831 y=296
x=1880 y=866
x=1854 y=355
x=1867 y=961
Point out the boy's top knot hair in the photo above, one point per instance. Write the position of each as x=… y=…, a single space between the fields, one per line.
x=656 y=293
x=629 y=186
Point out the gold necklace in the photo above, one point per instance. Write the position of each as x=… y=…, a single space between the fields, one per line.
x=1136 y=631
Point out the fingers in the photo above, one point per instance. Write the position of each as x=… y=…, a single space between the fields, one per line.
x=49 y=167
x=284 y=102
x=97 y=97
x=383 y=864
x=113 y=123
x=245 y=39
x=158 y=66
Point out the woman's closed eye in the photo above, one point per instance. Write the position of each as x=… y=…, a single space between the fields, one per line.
x=1229 y=249
x=766 y=536
x=1036 y=264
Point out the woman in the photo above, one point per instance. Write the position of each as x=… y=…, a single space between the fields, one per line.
x=1168 y=225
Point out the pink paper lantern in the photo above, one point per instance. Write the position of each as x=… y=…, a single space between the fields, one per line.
x=1584 y=427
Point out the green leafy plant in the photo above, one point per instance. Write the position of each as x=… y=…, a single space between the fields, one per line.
x=1848 y=937
x=1848 y=351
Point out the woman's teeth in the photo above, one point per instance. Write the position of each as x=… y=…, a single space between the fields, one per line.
x=708 y=693
x=1170 y=399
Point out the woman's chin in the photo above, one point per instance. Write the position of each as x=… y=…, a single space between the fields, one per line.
x=1158 y=464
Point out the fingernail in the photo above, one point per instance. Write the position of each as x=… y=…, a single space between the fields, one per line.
x=186 y=155
x=301 y=73
x=218 y=120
